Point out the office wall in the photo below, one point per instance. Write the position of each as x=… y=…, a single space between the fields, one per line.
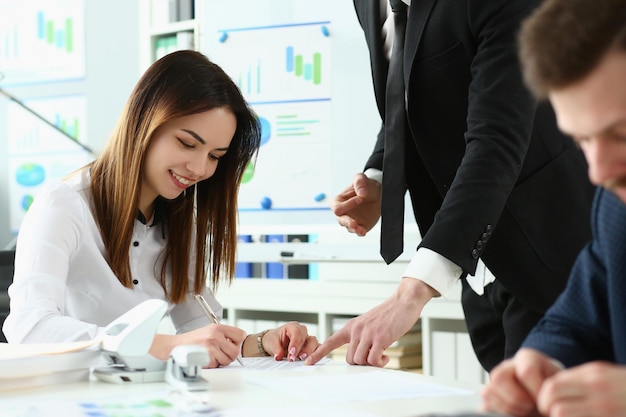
x=112 y=66
x=112 y=69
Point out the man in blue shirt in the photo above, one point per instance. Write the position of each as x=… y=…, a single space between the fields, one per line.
x=573 y=362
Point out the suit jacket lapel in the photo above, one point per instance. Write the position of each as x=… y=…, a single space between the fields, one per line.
x=418 y=15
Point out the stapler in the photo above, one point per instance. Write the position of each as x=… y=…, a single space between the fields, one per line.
x=125 y=344
x=184 y=367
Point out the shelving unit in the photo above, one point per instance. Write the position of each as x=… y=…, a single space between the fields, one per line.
x=162 y=30
x=352 y=279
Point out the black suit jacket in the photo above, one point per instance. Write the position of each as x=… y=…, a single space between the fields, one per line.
x=489 y=174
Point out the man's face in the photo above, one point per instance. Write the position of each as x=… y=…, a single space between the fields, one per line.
x=593 y=111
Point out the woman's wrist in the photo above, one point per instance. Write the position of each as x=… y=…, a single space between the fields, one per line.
x=162 y=345
x=251 y=345
x=259 y=343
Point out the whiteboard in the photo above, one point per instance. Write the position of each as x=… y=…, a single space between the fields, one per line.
x=304 y=68
x=42 y=41
x=38 y=154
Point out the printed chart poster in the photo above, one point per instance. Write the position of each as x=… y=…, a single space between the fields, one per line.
x=41 y=41
x=284 y=72
x=38 y=153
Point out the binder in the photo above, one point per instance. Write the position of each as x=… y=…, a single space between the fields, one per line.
x=243 y=269
x=274 y=270
x=298 y=271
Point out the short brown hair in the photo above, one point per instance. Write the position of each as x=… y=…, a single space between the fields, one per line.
x=562 y=41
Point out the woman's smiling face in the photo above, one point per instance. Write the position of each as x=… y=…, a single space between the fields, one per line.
x=185 y=151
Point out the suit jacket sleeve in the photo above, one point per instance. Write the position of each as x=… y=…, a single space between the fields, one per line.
x=481 y=168
x=586 y=321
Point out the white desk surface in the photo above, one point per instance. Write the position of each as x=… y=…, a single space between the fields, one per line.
x=242 y=392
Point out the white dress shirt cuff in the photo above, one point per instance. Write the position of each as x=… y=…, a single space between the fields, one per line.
x=481 y=278
x=440 y=273
x=433 y=269
x=374 y=174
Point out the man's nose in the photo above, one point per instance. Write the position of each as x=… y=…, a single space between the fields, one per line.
x=599 y=153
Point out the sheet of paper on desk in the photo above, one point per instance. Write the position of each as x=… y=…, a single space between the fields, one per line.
x=355 y=387
x=270 y=364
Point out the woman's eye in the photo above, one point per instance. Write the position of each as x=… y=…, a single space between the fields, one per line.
x=184 y=143
x=214 y=157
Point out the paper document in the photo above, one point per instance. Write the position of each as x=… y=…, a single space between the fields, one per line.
x=24 y=350
x=269 y=363
x=355 y=387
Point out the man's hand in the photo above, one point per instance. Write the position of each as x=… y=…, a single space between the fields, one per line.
x=514 y=384
x=357 y=208
x=371 y=333
x=595 y=389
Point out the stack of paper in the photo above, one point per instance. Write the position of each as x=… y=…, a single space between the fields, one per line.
x=30 y=365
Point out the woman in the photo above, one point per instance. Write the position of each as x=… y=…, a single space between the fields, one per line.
x=145 y=219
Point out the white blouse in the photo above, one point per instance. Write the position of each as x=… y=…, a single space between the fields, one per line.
x=63 y=289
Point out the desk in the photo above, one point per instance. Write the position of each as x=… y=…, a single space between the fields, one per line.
x=234 y=388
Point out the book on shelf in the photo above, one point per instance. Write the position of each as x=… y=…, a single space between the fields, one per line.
x=163 y=12
x=274 y=270
x=411 y=338
x=164 y=45
x=298 y=271
x=185 y=9
x=405 y=362
x=184 y=40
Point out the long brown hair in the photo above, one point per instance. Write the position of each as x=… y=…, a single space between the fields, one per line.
x=201 y=224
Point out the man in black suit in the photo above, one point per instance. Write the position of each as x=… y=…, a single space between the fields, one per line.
x=491 y=179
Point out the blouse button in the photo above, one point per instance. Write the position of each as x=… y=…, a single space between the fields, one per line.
x=135 y=243
x=135 y=281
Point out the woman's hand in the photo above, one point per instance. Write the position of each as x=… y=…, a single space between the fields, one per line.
x=290 y=341
x=221 y=341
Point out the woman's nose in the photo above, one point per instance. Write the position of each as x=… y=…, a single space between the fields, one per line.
x=202 y=167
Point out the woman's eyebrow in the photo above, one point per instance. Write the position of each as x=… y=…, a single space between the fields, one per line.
x=195 y=136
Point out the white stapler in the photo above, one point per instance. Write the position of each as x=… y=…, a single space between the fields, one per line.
x=125 y=344
x=184 y=367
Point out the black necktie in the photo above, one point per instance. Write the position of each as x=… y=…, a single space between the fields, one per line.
x=394 y=187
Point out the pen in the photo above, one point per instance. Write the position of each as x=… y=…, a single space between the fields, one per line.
x=211 y=315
